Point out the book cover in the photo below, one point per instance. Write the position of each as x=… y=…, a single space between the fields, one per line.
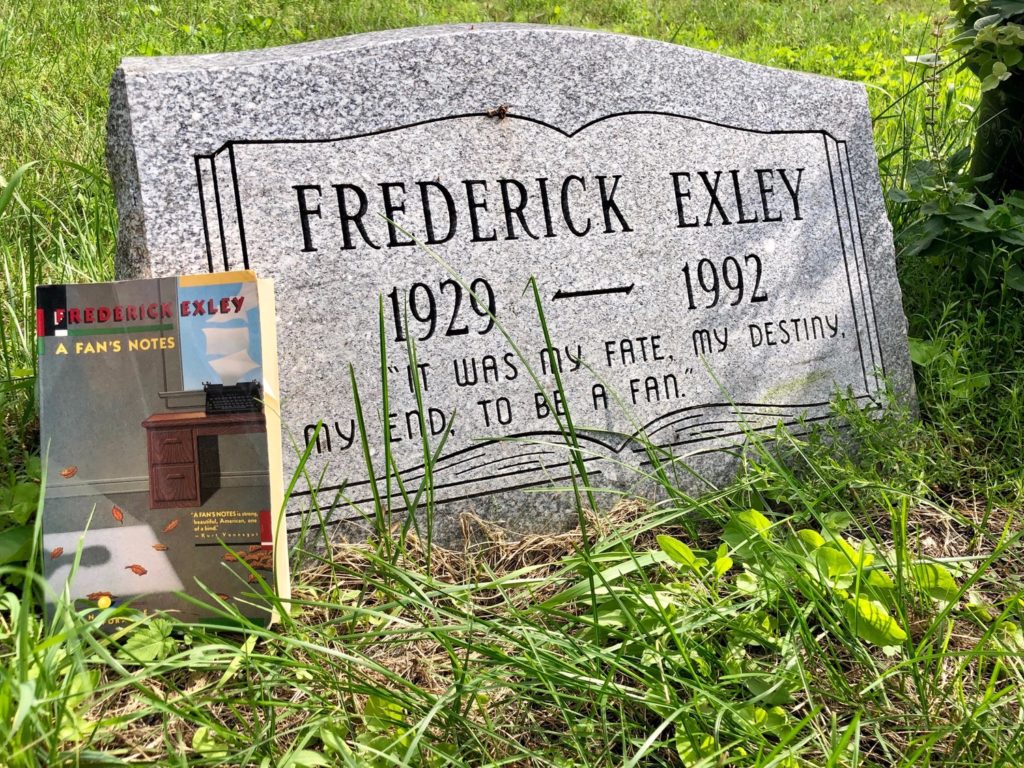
x=160 y=429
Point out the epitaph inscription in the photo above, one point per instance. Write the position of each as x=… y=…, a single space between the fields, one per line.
x=701 y=278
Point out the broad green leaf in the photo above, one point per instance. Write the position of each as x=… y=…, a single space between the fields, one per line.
x=833 y=565
x=34 y=468
x=380 y=713
x=677 y=550
x=693 y=747
x=977 y=606
x=304 y=758
x=23 y=500
x=332 y=737
x=755 y=716
x=74 y=727
x=775 y=718
x=989 y=83
x=871 y=622
x=80 y=688
x=722 y=565
x=609 y=617
x=747 y=532
x=936 y=581
x=770 y=720
x=734 y=659
x=748 y=583
x=384 y=742
x=15 y=544
x=722 y=561
x=859 y=557
x=959 y=158
x=930 y=60
x=208 y=744
x=9 y=186
x=836 y=521
x=691 y=661
x=771 y=689
x=149 y=641
x=26 y=703
x=925 y=352
x=879 y=579
x=810 y=539
x=1015 y=277
x=988 y=21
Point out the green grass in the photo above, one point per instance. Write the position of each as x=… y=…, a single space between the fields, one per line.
x=607 y=645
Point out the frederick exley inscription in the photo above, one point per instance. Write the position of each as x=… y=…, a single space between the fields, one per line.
x=703 y=275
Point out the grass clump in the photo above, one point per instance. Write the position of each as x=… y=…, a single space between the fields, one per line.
x=770 y=624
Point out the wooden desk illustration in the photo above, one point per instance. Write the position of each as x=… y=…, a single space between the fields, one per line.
x=173 y=443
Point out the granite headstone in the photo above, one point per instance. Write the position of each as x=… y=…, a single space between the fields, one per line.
x=706 y=238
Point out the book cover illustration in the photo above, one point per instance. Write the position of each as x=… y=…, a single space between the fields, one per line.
x=160 y=426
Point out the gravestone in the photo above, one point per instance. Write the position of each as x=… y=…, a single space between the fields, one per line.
x=706 y=239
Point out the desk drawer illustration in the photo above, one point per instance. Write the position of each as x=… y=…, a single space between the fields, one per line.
x=174 y=483
x=176 y=462
x=171 y=446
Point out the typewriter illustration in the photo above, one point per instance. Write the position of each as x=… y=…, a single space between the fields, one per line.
x=243 y=397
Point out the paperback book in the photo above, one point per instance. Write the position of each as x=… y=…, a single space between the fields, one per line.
x=160 y=429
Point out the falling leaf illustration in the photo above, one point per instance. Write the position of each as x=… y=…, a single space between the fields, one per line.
x=259 y=558
x=69 y=471
x=223 y=596
x=98 y=595
x=160 y=547
x=264 y=560
x=137 y=569
x=171 y=525
x=117 y=514
x=252 y=578
x=56 y=552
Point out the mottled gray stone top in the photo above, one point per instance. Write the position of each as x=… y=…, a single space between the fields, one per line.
x=708 y=237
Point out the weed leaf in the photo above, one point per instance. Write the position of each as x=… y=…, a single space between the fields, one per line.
x=833 y=565
x=747 y=532
x=304 y=758
x=149 y=642
x=810 y=539
x=871 y=622
x=936 y=581
x=381 y=714
x=925 y=352
x=9 y=186
x=679 y=552
x=206 y=743
x=15 y=544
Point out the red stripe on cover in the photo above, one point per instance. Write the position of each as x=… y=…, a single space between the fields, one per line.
x=40 y=323
x=266 y=530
